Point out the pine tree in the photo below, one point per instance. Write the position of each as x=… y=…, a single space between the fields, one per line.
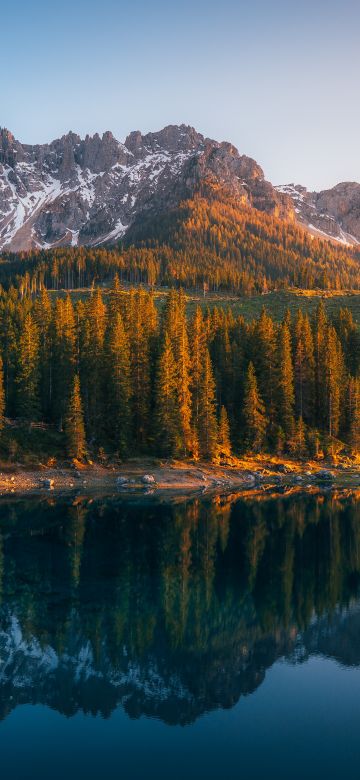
x=207 y=414
x=223 y=439
x=118 y=388
x=264 y=359
x=115 y=299
x=183 y=363
x=255 y=421
x=167 y=416
x=334 y=381
x=27 y=380
x=92 y=372
x=299 y=443
x=198 y=350
x=44 y=321
x=285 y=384
x=320 y=327
x=304 y=369
x=142 y=327
x=64 y=357
x=74 y=423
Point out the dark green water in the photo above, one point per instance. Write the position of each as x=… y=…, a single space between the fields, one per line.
x=198 y=639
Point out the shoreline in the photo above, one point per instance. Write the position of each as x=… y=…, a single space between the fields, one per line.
x=151 y=476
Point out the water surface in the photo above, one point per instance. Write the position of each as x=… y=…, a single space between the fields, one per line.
x=200 y=638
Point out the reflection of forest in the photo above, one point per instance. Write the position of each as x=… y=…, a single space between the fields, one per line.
x=171 y=610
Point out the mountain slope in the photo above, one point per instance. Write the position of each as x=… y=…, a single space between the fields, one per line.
x=206 y=242
x=74 y=192
x=333 y=214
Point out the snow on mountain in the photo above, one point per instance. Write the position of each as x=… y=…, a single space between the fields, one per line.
x=73 y=191
x=89 y=191
x=332 y=214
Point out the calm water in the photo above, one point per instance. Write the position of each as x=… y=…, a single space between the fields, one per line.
x=198 y=639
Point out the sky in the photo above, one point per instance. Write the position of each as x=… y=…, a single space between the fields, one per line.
x=280 y=80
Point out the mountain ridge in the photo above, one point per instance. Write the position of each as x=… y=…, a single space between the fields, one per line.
x=90 y=191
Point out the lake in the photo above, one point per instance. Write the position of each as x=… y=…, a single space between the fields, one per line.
x=198 y=638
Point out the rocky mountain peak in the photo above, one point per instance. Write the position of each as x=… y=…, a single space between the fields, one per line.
x=332 y=213
x=91 y=191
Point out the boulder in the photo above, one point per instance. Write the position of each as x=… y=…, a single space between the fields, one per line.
x=148 y=479
x=122 y=481
x=325 y=476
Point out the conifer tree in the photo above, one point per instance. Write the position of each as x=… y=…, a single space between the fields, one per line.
x=299 y=443
x=64 y=357
x=334 y=381
x=118 y=388
x=207 y=432
x=264 y=359
x=304 y=368
x=285 y=384
x=44 y=321
x=142 y=324
x=167 y=417
x=182 y=357
x=255 y=421
x=320 y=326
x=223 y=438
x=198 y=349
x=92 y=371
x=27 y=379
x=74 y=423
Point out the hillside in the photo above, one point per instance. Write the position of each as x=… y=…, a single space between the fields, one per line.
x=203 y=243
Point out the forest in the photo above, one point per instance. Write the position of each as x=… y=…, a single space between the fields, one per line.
x=202 y=244
x=116 y=376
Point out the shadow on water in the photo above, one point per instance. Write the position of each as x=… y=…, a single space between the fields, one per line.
x=171 y=609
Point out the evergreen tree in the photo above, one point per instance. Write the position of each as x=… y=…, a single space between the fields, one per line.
x=264 y=360
x=44 y=321
x=299 y=443
x=304 y=368
x=92 y=371
x=27 y=380
x=118 y=389
x=74 y=423
x=207 y=432
x=64 y=357
x=167 y=416
x=334 y=381
x=198 y=350
x=142 y=323
x=285 y=384
x=255 y=421
x=223 y=439
x=320 y=326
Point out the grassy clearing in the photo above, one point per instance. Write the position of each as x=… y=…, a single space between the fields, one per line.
x=276 y=302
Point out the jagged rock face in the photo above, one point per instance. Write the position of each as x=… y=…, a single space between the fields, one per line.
x=333 y=213
x=90 y=191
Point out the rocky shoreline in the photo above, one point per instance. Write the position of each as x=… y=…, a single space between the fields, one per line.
x=148 y=476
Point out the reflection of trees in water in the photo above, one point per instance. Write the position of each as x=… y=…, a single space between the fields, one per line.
x=205 y=594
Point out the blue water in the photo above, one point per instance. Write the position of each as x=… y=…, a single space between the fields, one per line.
x=107 y=673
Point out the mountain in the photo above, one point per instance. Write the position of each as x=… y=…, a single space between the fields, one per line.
x=88 y=192
x=333 y=214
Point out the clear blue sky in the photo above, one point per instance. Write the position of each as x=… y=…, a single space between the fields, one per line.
x=278 y=79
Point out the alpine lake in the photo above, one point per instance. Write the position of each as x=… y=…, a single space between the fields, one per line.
x=150 y=637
